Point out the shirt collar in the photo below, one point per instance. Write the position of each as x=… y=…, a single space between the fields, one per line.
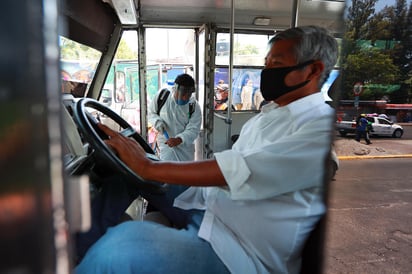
x=298 y=106
x=306 y=103
x=269 y=106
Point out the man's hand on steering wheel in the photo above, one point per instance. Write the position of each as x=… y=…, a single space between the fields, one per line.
x=133 y=152
x=128 y=150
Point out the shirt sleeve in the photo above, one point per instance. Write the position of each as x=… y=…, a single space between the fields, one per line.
x=292 y=163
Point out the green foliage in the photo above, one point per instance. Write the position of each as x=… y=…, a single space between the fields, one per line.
x=359 y=14
x=124 y=52
x=376 y=51
x=369 y=67
x=245 y=49
x=378 y=91
x=379 y=28
x=70 y=50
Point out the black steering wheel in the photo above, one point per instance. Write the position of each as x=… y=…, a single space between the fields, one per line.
x=87 y=124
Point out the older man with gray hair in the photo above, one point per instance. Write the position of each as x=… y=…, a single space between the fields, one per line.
x=251 y=208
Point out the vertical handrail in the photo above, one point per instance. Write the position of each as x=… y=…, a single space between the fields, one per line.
x=295 y=13
x=229 y=107
x=141 y=38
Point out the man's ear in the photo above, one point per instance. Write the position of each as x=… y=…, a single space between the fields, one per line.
x=317 y=68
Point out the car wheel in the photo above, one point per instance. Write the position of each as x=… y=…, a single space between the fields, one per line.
x=398 y=133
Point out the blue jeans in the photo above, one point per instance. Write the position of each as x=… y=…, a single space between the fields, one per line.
x=142 y=246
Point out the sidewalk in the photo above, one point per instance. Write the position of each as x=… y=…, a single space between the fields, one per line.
x=349 y=149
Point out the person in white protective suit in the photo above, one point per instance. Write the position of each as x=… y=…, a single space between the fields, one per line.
x=177 y=120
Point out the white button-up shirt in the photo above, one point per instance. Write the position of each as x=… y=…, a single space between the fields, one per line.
x=275 y=175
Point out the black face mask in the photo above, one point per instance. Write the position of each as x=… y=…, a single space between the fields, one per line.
x=272 y=81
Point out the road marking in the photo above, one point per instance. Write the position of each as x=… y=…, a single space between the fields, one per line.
x=401 y=190
x=374 y=157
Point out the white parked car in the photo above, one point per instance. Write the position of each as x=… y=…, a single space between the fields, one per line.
x=384 y=127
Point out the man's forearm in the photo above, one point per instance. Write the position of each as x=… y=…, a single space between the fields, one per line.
x=201 y=173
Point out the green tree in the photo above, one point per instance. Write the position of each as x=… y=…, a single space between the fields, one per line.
x=379 y=27
x=71 y=50
x=359 y=13
x=369 y=67
x=401 y=54
x=377 y=50
x=242 y=49
x=124 y=52
x=399 y=21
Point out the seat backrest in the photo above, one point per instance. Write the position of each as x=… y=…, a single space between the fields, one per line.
x=312 y=254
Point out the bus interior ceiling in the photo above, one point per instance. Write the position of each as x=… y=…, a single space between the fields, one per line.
x=278 y=12
x=253 y=15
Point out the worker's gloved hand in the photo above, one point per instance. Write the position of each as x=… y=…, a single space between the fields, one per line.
x=160 y=126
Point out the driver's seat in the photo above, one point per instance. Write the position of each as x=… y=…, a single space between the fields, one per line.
x=312 y=253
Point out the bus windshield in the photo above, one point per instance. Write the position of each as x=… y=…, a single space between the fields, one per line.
x=78 y=65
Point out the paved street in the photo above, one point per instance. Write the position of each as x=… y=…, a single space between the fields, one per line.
x=369 y=227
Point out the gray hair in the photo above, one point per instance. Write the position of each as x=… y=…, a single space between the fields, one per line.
x=313 y=43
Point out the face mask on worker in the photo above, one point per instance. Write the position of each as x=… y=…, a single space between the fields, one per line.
x=182 y=94
x=272 y=81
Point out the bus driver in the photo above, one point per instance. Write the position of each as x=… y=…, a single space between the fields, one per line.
x=251 y=208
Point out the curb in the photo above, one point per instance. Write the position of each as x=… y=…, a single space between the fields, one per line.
x=374 y=157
